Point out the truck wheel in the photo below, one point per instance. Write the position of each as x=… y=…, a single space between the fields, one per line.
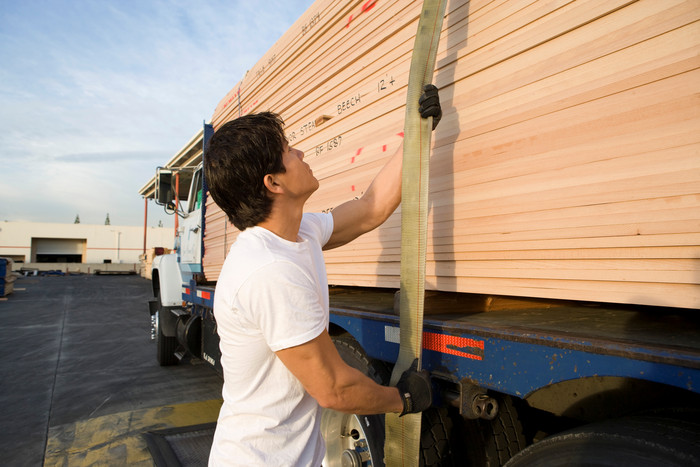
x=165 y=345
x=438 y=439
x=492 y=443
x=358 y=440
x=638 y=441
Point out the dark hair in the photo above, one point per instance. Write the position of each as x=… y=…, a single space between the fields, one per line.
x=237 y=158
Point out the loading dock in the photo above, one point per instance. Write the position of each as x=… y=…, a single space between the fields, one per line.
x=58 y=250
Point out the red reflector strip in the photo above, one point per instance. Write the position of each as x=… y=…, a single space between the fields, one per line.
x=453 y=345
x=187 y=291
x=204 y=295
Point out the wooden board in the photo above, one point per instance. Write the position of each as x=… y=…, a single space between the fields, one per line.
x=567 y=162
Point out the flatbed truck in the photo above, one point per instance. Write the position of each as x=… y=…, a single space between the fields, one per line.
x=509 y=371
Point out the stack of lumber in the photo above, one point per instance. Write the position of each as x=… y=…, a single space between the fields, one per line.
x=146 y=260
x=566 y=164
x=7 y=278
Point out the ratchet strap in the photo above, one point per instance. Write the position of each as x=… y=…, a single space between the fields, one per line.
x=402 y=444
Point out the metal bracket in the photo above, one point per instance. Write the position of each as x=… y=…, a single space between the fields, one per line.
x=475 y=403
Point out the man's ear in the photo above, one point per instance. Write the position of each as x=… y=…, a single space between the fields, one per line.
x=271 y=184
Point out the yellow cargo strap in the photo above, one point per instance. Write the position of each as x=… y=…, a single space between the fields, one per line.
x=402 y=445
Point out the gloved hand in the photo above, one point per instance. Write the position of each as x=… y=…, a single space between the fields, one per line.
x=429 y=104
x=415 y=389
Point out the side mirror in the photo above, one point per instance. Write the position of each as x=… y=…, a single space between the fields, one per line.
x=164 y=194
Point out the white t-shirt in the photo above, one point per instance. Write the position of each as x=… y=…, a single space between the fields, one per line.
x=272 y=294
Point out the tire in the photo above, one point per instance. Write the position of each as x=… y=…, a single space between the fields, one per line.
x=438 y=439
x=368 y=437
x=491 y=443
x=358 y=436
x=165 y=345
x=639 y=441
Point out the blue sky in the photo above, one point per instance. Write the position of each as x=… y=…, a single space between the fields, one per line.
x=94 y=94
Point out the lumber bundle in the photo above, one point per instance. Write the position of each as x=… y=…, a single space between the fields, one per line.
x=566 y=164
x=7 y=277
x=146 y=260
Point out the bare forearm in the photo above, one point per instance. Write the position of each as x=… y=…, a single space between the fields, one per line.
x=384 y=193
x=333 y=383
x=360 y=395
x=359 y=216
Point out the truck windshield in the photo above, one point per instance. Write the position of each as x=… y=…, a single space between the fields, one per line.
x=196 y=192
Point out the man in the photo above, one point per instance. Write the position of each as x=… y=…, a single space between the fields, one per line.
x=271 y=303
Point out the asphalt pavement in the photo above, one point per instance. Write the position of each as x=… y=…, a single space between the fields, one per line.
x=79 y=380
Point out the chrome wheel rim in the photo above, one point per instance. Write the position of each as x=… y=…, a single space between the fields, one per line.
x=346 y=440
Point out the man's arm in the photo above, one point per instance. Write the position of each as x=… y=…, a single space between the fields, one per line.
x=358 y=216
x=333 y=383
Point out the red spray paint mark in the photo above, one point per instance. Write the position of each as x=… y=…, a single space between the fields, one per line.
x=369 y=4
x=247 y=109
x=231 y=98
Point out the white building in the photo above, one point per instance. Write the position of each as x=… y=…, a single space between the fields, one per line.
x=49 y=243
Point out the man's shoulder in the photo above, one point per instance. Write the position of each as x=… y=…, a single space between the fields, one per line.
x=256 y=251
x=245 y=256
x=317 y=226
x=248 y=248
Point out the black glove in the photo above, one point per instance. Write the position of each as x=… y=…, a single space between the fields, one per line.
x=415 y=389
x=429 y=104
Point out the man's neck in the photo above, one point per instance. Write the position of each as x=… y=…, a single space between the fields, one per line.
x=284 y=221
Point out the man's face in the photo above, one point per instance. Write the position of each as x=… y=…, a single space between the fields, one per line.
x=298 y=180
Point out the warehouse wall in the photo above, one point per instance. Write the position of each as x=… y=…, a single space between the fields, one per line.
x=113 y=243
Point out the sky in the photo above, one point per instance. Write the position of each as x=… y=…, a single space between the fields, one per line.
x=95 y=94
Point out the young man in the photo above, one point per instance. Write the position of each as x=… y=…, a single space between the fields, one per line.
x=271 y=304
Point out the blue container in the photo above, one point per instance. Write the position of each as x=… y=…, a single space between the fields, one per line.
x=6 y=279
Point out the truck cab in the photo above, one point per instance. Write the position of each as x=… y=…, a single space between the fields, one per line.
x=178 y=327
